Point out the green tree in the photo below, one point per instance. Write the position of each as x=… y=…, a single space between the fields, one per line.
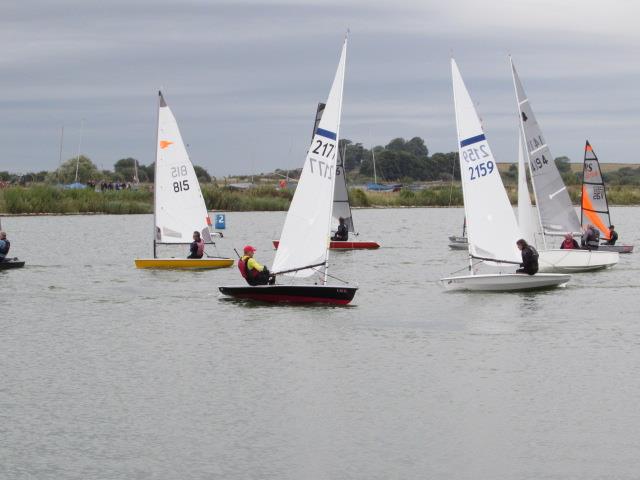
x=125 y=170
x=202 y=174
x=86 y=170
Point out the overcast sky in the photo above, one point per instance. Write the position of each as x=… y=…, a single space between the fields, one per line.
x=243 y=78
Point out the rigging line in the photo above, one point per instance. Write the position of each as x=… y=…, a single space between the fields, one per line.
x=467 y=267
x=332 y=276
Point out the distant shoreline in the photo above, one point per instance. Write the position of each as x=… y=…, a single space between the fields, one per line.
x=45 y=200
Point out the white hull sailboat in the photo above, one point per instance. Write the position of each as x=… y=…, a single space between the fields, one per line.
x=492 y=230
x=179 y=208
x=555 y=210
x=594 y=206
x=303 y=251
x=341 y=204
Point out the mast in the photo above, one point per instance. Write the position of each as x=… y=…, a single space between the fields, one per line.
x=135 y=171
x=333 y=190
x=155 y=169
x=373 y=159
x=79 y=148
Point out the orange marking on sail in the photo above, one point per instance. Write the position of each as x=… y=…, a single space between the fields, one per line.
x=588 y=148
x=587 y=206
x=165 y=143
x=208 y=220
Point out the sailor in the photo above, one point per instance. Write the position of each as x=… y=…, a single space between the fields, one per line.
x=569 y=242
x=252 y=271
x=5 y=245
x=613 y=236
x=590 y=238
x=529 y=258
x=196 y=250
x=342 y=234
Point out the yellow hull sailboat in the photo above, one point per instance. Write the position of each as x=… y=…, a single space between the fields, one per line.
x=179 y=209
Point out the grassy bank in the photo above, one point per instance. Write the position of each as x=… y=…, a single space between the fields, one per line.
x=48 y=199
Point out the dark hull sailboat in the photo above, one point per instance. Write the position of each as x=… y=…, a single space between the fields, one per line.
x=324 y=294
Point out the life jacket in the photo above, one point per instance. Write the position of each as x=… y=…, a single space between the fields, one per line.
x=247 y=273
x=200 y=245
x=568 y=244
x=5 y=249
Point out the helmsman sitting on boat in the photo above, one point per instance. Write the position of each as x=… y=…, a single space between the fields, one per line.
x=342 y=234
x=5 y=245
x=529 y=258
x=252 y=271
x=590 y=238
x=196 y=250
x=613 y=236
x=569 y=243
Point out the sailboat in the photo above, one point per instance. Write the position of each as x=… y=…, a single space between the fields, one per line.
x=492 y=230
x=341 y=205
x=556 y=213
x=304 y=243
x=459 y=242
x=380 y=187
x=594 y=204
x=179 y=207
x=10 y=263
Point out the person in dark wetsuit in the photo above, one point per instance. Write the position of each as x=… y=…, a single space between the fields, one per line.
x=613 y=236
x=529 y=258
x=196 y=250
x=342 y=235
x=5 y=245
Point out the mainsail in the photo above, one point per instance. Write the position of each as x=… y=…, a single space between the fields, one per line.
x=527 y=220
x=594 y=197
x=492 y=231
x=179 y=206
x=556 y=211
x=305 y=236
x=341 y=205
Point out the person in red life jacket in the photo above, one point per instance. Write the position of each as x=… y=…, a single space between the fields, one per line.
x=252 y=271
x=569 y=243
x=196 y=250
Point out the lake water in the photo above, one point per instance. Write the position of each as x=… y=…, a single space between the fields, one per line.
x=109 y=372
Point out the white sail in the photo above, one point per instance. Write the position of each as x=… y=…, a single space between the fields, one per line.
x=556 y=211
x=341 y=206
x=527 y=220
x=492 y=231
x=305 y=236
x=179 y=207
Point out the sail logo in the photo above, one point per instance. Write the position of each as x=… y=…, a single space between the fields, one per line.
x=165 y=143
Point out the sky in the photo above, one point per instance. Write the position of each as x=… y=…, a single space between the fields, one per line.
x=243 y=77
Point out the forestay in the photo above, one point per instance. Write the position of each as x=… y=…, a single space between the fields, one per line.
x=341 y=206
x=594 y=197
x=305 y=236
x=556 y=211
x=527 y=220
x=179 y=207
x=492 y=231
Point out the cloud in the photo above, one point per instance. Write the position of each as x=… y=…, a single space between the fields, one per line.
x=243 y=79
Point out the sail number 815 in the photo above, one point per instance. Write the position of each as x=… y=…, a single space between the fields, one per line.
x=481 y=170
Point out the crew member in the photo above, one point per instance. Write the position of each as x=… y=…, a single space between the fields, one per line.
x=569 y=242
x=590 y=238
x=252 y=271
x=613 y=236
x=529 y=258
x=196 y=250
x=5 y=245
x=342 y=235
